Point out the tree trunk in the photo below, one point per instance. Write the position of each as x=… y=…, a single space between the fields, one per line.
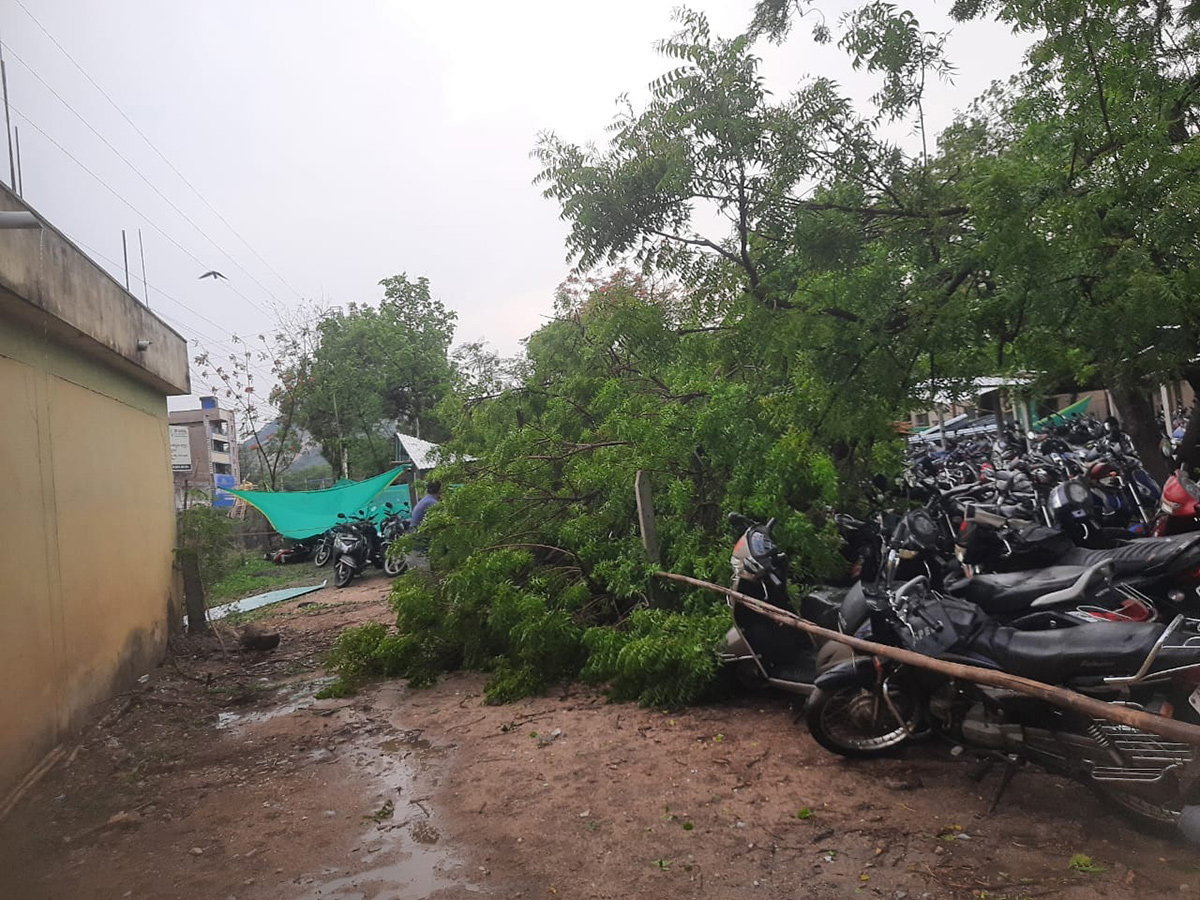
x=1136 y=408
x=193 y=591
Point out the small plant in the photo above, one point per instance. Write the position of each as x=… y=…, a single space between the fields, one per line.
x=805 y=813
x=362 y=653
x=664 y=864
x=1081 y=862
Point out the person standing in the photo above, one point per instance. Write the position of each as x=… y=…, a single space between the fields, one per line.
x=418 y=558
x=433 y=494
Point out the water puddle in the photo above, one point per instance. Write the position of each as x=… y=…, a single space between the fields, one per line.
x=405 y=742
x=301 y=698
x=398 y=854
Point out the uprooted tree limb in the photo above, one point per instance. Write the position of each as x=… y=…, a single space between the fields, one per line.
x=1059 y=696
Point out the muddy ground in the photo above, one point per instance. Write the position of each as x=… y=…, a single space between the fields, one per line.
x=222 y=777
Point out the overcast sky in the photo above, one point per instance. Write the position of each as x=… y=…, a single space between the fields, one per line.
x=351 y=141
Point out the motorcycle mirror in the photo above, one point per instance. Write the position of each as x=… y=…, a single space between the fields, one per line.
x=770 y=526
x=388 y=505
x=341 y=515
x=738 y=522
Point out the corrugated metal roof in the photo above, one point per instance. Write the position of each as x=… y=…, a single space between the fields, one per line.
x=424 y=454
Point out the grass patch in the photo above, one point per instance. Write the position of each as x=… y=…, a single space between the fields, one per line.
x=257 y=576
x=1081 y=862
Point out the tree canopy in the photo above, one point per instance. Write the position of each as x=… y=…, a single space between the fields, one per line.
x=374 y=368
x=765 y=282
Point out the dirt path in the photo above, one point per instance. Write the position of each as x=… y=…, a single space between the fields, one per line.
x=225 y=778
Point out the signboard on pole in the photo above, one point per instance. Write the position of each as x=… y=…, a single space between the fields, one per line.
x=181 y=448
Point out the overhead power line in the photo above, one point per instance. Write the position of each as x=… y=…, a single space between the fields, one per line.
x=207 y=340
x=161 y=155
x=133 y=167
x=135 y=210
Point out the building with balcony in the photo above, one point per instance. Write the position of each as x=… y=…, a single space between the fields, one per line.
x=210 y=466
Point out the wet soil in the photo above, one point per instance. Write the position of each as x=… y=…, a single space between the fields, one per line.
x=223 y=777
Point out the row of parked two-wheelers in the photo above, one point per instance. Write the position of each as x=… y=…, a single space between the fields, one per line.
x=357 y=542
x=1004 y=570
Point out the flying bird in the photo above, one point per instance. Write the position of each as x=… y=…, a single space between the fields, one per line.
x=213 y=274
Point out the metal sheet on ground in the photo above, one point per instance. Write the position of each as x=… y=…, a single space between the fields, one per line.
x=246 y=604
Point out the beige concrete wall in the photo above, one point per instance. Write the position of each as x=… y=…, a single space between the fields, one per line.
x=42 y=272
x=87 y=528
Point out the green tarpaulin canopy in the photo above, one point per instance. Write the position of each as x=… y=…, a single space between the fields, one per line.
x=1078 y=408
x=303 y=514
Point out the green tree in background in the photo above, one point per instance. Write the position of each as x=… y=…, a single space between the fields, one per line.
x=374 y=368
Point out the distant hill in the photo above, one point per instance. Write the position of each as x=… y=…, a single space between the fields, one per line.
x=310 y=453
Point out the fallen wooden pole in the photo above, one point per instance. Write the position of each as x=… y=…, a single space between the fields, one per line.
x=1059 y=696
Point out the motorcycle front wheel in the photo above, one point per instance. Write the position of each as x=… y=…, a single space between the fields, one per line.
x=855 y=722
x=394 y=565
x=343 y=574
x=324 y=552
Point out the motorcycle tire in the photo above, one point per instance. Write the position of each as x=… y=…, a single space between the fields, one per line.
x=323 y=555
x=394 y=566
x=1145 y=815
x=851 y=721
x=343 y=574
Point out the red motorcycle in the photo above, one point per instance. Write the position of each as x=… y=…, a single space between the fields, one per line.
x=1179 y=509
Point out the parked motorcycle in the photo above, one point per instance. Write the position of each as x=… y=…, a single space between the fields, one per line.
x=1179 y=508
x=323 y=552
x=762 y=652
x=355 y=547
x=298 y=552
x=866 y=707
x=393 y=527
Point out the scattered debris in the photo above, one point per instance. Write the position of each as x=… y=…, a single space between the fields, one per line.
x=124 y=820
x=253 y=637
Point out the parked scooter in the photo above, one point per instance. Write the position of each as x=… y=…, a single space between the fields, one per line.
x=867 y=706
x=762 y=652
x=354 y=548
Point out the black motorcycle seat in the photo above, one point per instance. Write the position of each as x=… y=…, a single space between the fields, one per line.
x=1011 y=592
x=1149 y=556
x=853 y=612
x=1057 y=656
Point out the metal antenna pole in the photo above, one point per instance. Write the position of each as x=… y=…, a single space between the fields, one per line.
x=125 y=250
x=20 y=174
x=145 y=284
x=12 y=162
